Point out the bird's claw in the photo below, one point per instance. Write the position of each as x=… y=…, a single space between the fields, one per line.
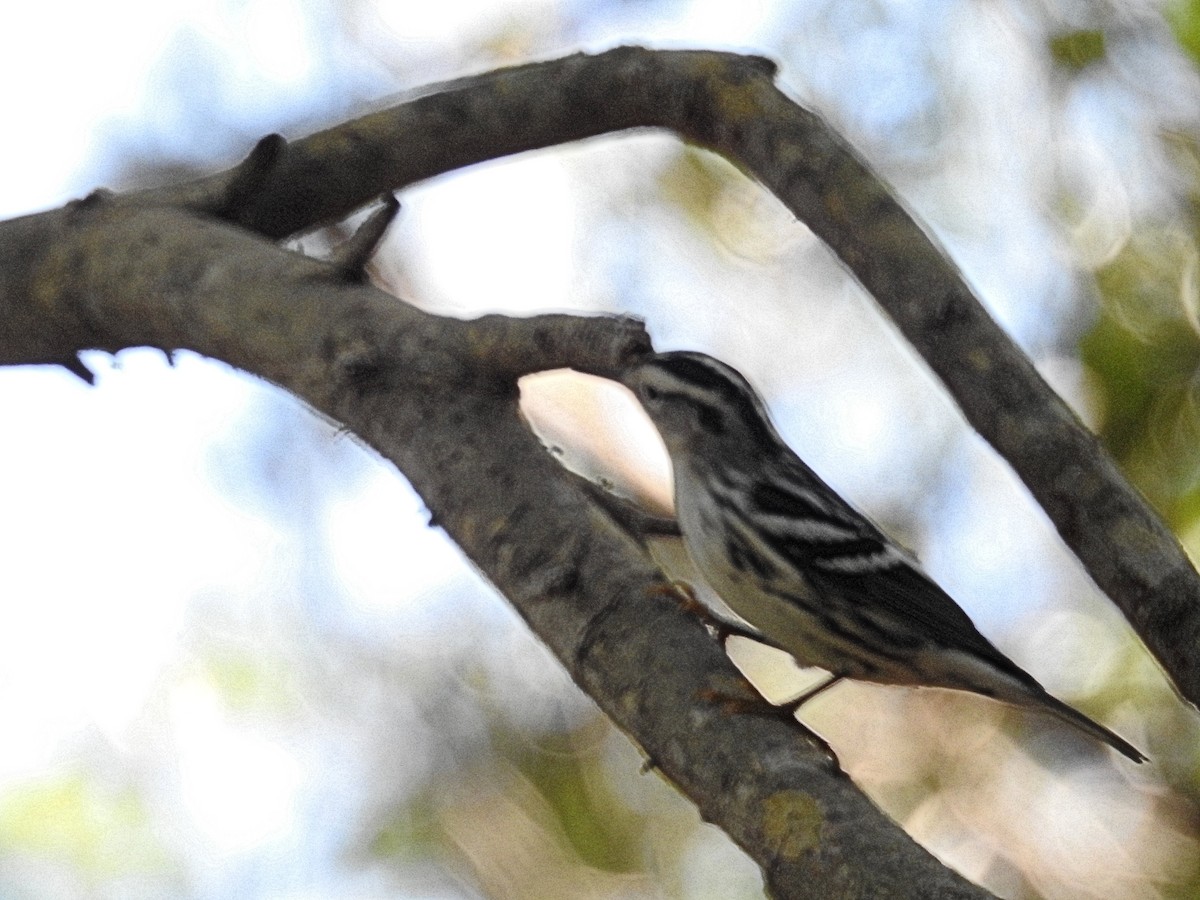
x=685 y=596
x=760 y=707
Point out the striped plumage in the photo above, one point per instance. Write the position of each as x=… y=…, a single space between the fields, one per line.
x=806 y=570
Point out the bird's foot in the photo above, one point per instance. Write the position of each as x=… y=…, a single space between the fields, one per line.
x=685 y=596
x=760 y=707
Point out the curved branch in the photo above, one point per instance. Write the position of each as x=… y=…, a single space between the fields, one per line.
x=419 y=390
x=437 y=398
x=729 y=104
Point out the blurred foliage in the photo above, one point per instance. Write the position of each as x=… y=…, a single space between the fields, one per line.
x=409 y=834
x=530 y=813
x=1145 y=346
x=1144 y=350
x=74 y=822
x=1184 y=16
x=1078 y=49
x=1143 y=353
x=600 y=827
x=248 y=682
x=695 y=184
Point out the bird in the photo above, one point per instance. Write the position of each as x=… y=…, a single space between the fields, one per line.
x=809 y=573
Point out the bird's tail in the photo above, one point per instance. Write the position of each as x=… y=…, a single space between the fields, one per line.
x=1074 y=717
x=1000 y=678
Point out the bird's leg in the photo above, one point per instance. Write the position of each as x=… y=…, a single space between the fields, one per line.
x=685 y=597
x=750 y=706
x=793 y=705
x=683 y=594
x=761 y=707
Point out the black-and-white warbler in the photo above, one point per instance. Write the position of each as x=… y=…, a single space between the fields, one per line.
x=807 y=571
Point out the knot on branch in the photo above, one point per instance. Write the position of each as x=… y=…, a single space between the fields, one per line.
x=92 y=201
x=361 y=367
x=246 y=180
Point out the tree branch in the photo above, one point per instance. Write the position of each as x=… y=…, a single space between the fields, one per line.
x=423 y=392
x=438 y=400
x=728 y=103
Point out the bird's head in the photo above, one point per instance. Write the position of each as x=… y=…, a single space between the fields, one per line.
x=697 y=402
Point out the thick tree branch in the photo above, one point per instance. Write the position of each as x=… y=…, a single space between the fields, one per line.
x=438 y=399
x=423 y=392
x=729 y=104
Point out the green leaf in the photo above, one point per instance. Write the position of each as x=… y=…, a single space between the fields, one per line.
x=1077 y=50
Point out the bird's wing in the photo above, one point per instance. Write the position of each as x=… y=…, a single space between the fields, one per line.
x=840 y=551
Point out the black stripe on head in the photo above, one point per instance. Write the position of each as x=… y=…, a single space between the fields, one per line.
x=719 y=390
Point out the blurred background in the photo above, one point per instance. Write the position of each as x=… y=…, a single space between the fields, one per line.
x=236 y=662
